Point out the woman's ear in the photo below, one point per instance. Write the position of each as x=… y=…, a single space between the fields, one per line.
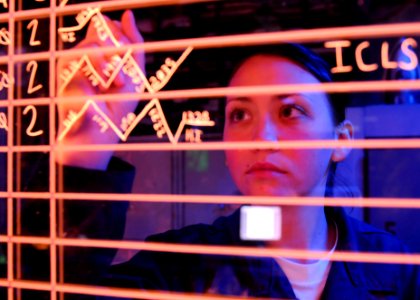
x=344 y=132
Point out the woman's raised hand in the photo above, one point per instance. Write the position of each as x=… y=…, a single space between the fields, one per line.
x=83 y=129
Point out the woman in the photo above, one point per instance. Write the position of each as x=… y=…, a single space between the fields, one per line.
x=270 y=172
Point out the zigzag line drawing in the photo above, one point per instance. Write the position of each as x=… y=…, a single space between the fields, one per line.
x=153 y=108
x=132 y=67
x=82 y=18
x=129 y=66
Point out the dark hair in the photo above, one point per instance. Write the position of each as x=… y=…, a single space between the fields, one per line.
x=305 y=58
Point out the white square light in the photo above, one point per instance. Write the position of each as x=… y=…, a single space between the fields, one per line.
x=260 y=223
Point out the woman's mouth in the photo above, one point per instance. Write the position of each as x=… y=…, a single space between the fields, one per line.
x=264 y=167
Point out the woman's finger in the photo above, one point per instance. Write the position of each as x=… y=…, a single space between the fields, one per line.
x=129 y=28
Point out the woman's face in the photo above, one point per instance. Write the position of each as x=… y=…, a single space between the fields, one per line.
x=300 y=116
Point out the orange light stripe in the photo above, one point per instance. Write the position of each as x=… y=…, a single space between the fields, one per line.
x=328 y=87
x=289 y=201
x=10 y=134
x=31 y=240
x=299 y=144
x=38 y=56
x=333 y=87
x=347 y=256
x=252 y=39
x=52 y=165
x=40 y=148
x=60 y=216
x=24 y=102
x=105 y=5
x=214 y=146
x=26 y=284
x=221 y=92
x=413 y=203
x=118 y=292
x=248 y=251
x=307 y=35
x=112 y=5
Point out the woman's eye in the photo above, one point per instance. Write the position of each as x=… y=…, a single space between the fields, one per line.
x=238 y=115
x=291 y=112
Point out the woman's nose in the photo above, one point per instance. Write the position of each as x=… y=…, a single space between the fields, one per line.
x=266 y=130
